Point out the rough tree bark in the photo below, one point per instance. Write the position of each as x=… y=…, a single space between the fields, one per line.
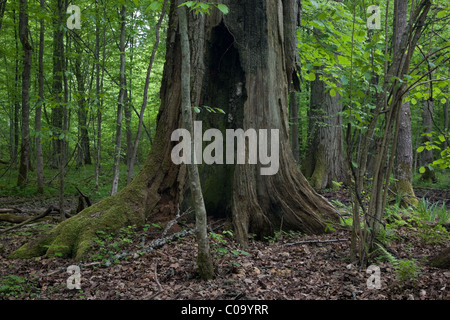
x=83 y=154
x=326 y=161
x=404 y=156
x=238 y=63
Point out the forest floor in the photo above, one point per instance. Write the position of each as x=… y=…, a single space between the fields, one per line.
x=288 y=266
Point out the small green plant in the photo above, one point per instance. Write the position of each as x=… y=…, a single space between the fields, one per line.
x=433 y=211
x=220 y=244
x=433 y=234
x=18 y=287
x=109 y=244
x=405 y=269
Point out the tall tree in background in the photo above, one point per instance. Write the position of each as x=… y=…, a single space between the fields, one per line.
x=326 y=162
x=26 y=75
x=39 y=155
x=242 y=68
x=121 y=100
x=427 y=125
x=57 y=86
x=134 y=149
x=404 y=156
x=84 y=154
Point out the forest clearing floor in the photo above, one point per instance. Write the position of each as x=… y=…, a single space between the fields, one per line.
x=276 y=268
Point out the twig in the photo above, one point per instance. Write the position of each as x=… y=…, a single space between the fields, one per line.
x=312 y=241
x=157 y=282
x=42 y=215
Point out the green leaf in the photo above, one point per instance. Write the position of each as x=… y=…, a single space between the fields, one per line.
x=441 y=14
x=197 y=109
x=155 y=5
x=343 y=60
x=441 y=137
x=422 y=170
x=420 y=149
x=223 y=8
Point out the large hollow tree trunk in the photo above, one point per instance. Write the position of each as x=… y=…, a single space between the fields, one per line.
x=238 y=64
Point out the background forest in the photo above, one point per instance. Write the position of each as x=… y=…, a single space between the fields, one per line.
x=79 y=108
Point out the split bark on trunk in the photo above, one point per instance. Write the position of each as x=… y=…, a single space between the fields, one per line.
x=238 y=64
x=446 y=128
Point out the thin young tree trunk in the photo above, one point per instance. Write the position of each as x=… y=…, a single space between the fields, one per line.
x=26 y=76
x=204 y=260
x=57 y=89
x=98 y=86
x=120 y=103
x=39 y=156
x=427 y=155
x=16 y=115
x=84 y=154
x=144 y=99
x=383 y=164
x=446 y=123
x=64 y=123
x=127 y=113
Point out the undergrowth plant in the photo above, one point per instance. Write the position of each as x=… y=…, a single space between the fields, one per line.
x=433 y=212
x=405 y=269
x=223 y=248
x=18 y=287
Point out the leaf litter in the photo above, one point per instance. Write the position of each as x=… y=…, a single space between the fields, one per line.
x=290 y=266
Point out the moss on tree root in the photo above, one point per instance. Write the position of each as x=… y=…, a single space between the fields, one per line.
x=74 y=237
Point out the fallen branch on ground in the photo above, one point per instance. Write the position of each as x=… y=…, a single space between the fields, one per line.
x=42 y=215
x=313 y=241
x=10 y=210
